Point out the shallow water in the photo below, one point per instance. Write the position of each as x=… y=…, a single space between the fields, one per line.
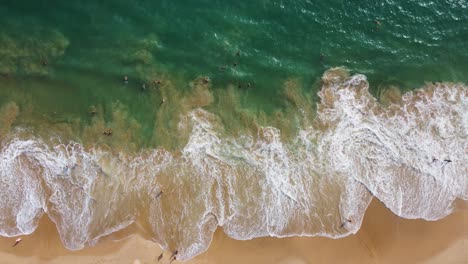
x=280 y=145
x=318 y=181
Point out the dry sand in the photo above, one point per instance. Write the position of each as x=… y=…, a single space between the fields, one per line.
x=383 y=238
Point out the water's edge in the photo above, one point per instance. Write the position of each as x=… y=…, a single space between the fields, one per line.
x=318 y=181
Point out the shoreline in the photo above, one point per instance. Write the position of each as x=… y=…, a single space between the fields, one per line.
x=383 y=238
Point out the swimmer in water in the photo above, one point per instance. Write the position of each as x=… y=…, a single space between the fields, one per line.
x=107 y=132
x=173 y=256
x=344 y=223
x=159 y=194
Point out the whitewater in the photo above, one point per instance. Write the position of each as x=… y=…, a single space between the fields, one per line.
x=411 y=155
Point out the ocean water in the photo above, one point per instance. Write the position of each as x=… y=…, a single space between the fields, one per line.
x=263 y=119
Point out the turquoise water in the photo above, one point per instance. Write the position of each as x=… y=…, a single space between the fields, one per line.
x=90 y=45
x=276 y=141
x=415 y=41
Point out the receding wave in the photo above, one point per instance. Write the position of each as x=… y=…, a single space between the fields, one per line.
x=410 y=154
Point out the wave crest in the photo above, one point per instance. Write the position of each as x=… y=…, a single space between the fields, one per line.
x=410 y=155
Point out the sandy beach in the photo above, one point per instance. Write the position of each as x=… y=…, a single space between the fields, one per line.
x=383 y=238
x=130 y=130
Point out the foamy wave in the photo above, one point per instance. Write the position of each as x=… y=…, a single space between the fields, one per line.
x=411 y=156
x=22 y=196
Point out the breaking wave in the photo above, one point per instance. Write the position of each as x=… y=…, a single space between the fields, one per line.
x=411 y=155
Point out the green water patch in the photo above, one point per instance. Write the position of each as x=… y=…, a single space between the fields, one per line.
x=66 y=60
x=301 y=38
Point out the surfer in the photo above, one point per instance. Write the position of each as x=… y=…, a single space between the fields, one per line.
x=125 y=79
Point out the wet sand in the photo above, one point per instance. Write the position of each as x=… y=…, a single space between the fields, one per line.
x=383 y=238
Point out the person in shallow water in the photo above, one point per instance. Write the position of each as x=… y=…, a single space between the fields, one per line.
x=173 y=256
x=107 y=132
x=164 y=99
x=345 y=222
x=160 y=256
x=159 y=194
x=125 y=79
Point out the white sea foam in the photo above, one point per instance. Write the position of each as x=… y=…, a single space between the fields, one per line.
x=318 y=183
x=22 y=197
x=400 y=159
